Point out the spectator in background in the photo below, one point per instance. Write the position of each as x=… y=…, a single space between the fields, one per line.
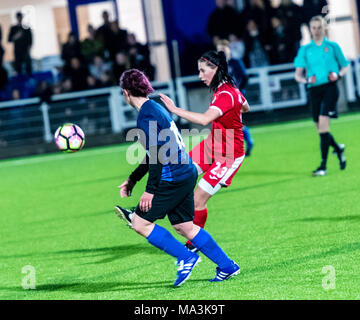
x=98 y=68
x=91 y=46
x=21 y=37
x=257 y=48
x=312 y=8
x=66 y=85
x=2 y=51
x=92 y=82
x=236 y=66
x=44 y=91
x=119 y=40
x=105 y=34
x=3 y=73
x=107 y=79
x=279 y=43
x=139 y=57
x=71 y=49
x=261 y=12
x=77 y=73
x=224 y=21
x=121 y=64
x=290 y=17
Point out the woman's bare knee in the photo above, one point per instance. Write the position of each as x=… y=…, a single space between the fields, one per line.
x=201 y=197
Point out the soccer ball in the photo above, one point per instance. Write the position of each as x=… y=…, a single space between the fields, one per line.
x=69 y=138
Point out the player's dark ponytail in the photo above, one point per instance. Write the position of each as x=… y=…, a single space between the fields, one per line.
x=215 y=59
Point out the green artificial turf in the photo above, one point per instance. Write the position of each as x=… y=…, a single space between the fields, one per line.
x=280 y=224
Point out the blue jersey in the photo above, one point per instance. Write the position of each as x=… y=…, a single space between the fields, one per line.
x=161 y=133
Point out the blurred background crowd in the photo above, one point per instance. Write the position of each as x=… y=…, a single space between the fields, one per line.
x=264 y=33
x=95 y=62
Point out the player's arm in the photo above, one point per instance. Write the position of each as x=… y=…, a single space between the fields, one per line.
x=245 y=107
x=343 y=70
x=195 y=117
x=127 y=186
x=155 y=170
x=299 y=75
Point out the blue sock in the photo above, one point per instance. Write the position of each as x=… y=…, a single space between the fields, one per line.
x=208 y=246
x=163 y=239
x=247 y=137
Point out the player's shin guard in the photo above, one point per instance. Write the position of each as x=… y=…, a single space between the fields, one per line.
x=324 y=146
x=163 y=239
x=208 y=246
x=199 y=219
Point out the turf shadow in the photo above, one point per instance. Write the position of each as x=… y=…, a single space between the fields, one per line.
x=330 y=219
x=350 y=247
x=97 y=287
x=272 y=173
x=108 y=254
x=62 y=218
x=120 y=178
x=266 y=184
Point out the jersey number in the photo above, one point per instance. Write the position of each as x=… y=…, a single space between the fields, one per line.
x=177 y=134
x=216 y=172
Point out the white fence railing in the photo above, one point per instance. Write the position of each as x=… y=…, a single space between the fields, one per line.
x=105 y=110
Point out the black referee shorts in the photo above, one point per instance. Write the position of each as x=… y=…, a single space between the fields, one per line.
x=175 y=199
x=323 y=100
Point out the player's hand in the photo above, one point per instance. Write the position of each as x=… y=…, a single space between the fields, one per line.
x=333 y=76
x=168 y=102
x=126 y=188
x=312 y=79
x=145 y=201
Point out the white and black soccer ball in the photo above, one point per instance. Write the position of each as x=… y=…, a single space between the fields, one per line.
x=69 y=137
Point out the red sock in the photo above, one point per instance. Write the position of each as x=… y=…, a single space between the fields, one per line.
x=199 y=219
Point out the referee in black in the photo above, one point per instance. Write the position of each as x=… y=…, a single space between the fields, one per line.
x=319 y=65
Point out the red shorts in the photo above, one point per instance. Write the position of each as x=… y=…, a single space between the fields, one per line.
x=218 y=171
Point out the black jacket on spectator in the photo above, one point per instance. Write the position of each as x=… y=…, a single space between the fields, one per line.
x=70 y=50
x=23 y=44
x=118 y=42
x=118 y=71
x=105 y=34
x=256 y=54
x=78 y=77
x=2 y=51
x=225 y=21
x=262 y=18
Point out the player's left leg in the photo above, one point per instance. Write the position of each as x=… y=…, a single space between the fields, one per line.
x=226 y=267
x=162 y=239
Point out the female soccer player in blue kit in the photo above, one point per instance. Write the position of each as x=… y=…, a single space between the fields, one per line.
x=170 y=186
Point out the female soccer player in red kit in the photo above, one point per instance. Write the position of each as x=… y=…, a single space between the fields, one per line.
x=221 y=154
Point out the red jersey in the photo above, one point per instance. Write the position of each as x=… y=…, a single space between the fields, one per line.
x=226 y=134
